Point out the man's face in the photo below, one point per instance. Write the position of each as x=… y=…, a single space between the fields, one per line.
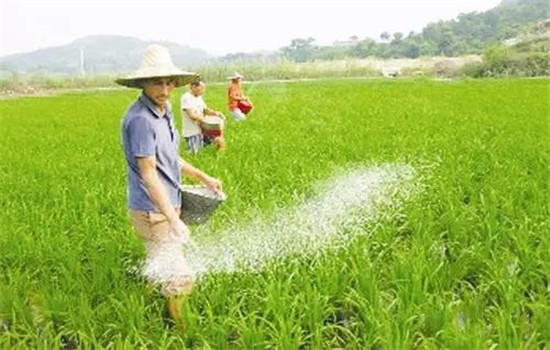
x=159 y=89
x=198 y=90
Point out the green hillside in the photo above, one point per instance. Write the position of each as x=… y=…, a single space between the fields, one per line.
x=102 y=54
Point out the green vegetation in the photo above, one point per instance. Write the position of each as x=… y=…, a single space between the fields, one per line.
x=525 y=21
x=529 y=58
x=462 y=266
x=470 y=33
x=16 y=83
x=282 y=70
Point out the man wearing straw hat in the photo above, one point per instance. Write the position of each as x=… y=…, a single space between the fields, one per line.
x=151 y=148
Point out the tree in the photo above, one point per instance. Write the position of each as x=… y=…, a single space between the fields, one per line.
x=447 y=44
x=385 y=36
x=411 y=50
x=300 y=50
x=331 y=52
x=397 y=36
x=469 y=33
x=383 y=50
x=364 y=48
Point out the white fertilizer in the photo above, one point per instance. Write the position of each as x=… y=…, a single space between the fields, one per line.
x=324 y=222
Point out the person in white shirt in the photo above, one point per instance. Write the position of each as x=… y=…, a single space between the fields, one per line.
x=194 y=112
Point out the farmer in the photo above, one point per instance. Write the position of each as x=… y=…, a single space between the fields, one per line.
x=237 y=100
x=151 y=148
x=195 y=111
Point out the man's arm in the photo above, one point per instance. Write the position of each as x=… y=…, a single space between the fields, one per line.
x=236 y=94
x=210 y=182
x=241 y=97
x=155 y=188
x=194 y=117
x=210 y=111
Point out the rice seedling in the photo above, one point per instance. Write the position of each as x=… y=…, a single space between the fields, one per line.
x=458 y=258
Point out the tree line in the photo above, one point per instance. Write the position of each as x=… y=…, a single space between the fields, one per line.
x=469 y=33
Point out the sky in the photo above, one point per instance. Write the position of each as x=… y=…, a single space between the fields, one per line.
x=219 y=27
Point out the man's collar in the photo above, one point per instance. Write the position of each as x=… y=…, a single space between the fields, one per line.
x=143 y=98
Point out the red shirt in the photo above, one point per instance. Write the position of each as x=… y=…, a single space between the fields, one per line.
x=234 y=95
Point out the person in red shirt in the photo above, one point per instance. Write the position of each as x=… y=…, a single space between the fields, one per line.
x=239 y=104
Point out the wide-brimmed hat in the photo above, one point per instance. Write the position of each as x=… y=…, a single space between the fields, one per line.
x=157 y=63
x=235 y=76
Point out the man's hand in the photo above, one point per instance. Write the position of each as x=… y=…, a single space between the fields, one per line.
x=159 y=197
x=213 y=184
x=180 y=231
x=219 y=114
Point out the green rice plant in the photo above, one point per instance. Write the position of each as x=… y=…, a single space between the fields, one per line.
x=461 y=264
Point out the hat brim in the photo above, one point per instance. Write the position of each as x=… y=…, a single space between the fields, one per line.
x=181 y=78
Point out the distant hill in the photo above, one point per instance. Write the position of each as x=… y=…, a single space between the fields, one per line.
x=102 y=54
x=469 y=33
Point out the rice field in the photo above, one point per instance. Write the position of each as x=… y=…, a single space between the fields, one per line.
x=361 y=214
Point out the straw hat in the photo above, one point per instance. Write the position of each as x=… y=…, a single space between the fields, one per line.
x=157 y=63
x=235 y=76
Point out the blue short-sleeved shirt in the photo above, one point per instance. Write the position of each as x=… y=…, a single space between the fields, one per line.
x=146 y=132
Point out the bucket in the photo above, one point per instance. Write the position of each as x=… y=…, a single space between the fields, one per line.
x=198 y=203
x=212 y=126
x=244 y=106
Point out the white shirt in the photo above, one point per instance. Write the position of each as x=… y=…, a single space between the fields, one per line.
x=197 y=105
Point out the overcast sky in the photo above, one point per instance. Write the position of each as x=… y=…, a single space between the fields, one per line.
x=219 y=27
